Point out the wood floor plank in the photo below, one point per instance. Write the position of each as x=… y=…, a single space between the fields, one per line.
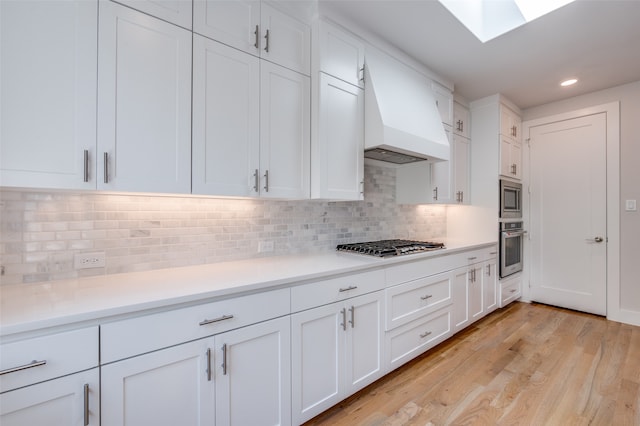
x=526 y=364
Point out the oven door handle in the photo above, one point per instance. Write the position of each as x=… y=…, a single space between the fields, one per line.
x=513 y=233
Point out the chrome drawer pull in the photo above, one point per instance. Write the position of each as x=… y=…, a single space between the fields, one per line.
x=513 y=290
x=32 y=364
x=86 y=404
x=428 y=296
x=423 y=335
x=211 y=321
x=472 y=258
x=209 y=364
x=351 y=287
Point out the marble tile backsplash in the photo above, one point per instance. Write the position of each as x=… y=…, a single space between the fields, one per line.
x=42 y=231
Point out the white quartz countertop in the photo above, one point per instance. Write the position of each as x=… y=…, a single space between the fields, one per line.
x=31 y=307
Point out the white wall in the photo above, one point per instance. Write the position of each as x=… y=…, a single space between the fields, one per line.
x=629 y=97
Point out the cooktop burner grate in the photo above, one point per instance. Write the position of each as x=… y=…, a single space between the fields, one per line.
x=386 y=248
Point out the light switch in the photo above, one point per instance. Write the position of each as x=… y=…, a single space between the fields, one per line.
x=631 y=206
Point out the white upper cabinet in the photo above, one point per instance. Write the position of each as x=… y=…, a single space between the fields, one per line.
x=444 y=102
x=235 y=23
x=251 y=125
x=144 y=103
x=510 y=123
x=177 y=12
x=341 y=54
x=48 y=69
x=460 y=174
x=226 y=117
x=285 y=114
x=510 y=158
x=338 y=141
x=461 y=120
x=256 y=28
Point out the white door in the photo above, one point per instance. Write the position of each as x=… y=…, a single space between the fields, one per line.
x=167 y=387
x=48 y=71
x=364 y=341
x=72 y=400
x=226 y=120
x=317 y=346
x=235 y=23
x=338 y=151
x=460 y=293
x=253 y=375
x=568 y=213
x=144 y=103
x=285 y=134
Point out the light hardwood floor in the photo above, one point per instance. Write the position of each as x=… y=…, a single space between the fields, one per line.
x=526 y=364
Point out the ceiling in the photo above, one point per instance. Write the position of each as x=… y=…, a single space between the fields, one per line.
x=596 y=41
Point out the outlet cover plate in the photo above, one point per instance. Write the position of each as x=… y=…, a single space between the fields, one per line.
x=89 y=260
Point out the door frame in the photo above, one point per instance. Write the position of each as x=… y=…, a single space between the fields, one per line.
x=612 y=112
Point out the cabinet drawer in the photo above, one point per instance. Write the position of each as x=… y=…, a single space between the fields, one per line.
x=30 y=361
x=411 y=271
x=510 y=291
x=333 y=290
x=407 y=342
x=412 y=300
x=480 y=255
x=126 y=338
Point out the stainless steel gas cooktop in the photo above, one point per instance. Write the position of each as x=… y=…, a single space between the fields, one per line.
x=386 y=248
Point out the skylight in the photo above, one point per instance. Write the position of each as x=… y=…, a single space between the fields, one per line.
x=488 y=19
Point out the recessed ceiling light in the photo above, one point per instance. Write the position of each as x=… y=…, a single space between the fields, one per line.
x=569 y=82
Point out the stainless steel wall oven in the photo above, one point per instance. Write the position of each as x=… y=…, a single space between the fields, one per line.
x=510 y=199
x=511 y=248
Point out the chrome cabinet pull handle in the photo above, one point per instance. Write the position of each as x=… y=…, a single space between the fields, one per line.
x=472 y=258
x=423 y=335
x=106 y=167
x=352 y=309
x=266 y=46
x=85 y=173
x=351 y=287
x=256 y=180
x=32 y=364
x=209 y=364
x=86 y=404
x=344 y=319
x=361 y=71
x=435 y=193
x=489 y=270
x=266 y=181
x=257 y=34
x=211 y=321
x=428 y=296
x=224 y=359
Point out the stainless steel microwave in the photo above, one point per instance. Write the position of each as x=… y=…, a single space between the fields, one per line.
x=510 y=199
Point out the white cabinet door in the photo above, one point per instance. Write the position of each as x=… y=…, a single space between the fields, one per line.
x=177 y=12
x=144 y=103
x=226 y=116
x=476 y=292
x=48 y=70
x=232 y=22
x=341 y=54
x=338 y=145
x=169 y=387
x=285 y=40
x=317 y=345
x=444 y=102
x=253 y=375
x=72 y=400
x=489 y=286
x=460 y=294
x=442 y=176
x=510 y=123
x=461 y=120
x=363 y=350
x=460 y=174
x=284 y=132
x=510 y=158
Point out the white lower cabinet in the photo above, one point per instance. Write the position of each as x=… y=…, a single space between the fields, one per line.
x=490 y=285
x=240 y=377
x=510 y=289
x=461 y=305
x=166 y=387
x=336 y=350
x=72 y=400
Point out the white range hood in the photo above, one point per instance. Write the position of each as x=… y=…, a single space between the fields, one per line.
x=402 y=122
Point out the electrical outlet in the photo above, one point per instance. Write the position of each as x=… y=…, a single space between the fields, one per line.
x=89 y=260
x=630 y=205
x=265 y=246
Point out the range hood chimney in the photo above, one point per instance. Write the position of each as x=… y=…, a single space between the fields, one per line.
x=402 y=122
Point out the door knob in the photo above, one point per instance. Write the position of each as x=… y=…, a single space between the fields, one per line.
x=595 y=240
